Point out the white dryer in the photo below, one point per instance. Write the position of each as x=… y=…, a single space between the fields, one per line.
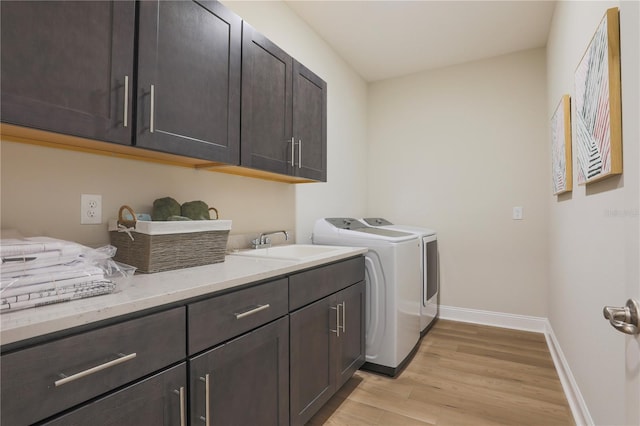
x=392 y=307
x=429 y=277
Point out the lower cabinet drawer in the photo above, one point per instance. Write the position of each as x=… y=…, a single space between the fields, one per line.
x=43 y=380
x=159 y=400
x=221 y=318
x=308 y=286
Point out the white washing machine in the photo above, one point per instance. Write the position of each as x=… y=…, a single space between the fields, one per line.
x=429 y=278
x=392 y=307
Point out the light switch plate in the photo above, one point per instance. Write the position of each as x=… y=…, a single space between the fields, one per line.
x=518 y=213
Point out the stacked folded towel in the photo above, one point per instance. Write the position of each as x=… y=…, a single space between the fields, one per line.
x=41 y=271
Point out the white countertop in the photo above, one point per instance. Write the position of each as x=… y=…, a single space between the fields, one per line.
x=144 y=291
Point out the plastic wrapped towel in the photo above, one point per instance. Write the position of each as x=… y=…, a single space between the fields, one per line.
x=58 y=295
x=41 y=271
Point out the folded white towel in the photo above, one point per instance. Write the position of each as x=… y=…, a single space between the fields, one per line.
x=36 y=263
x=89 y=290
x=51 y=274
x=49 y=286
x=25 y=246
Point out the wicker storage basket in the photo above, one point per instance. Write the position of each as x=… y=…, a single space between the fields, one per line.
x=163 y=246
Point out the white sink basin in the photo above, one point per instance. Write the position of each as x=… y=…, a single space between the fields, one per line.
x=298 y=252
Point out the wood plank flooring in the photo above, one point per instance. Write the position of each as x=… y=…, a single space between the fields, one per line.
x=462 y=374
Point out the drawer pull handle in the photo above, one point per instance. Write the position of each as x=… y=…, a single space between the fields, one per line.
x=66 y=379
x=182 y=402
x=251 y=311
x=207 y=407
x=344 y=317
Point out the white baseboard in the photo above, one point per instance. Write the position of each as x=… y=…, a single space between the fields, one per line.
x=577 y=404
x=496 y=319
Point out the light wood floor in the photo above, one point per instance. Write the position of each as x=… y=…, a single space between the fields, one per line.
x=462 y=374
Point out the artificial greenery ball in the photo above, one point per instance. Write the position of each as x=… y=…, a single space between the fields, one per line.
x=163 y=208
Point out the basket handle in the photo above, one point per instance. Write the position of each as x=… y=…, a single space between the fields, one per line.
x=126 y=222
x=215 y=210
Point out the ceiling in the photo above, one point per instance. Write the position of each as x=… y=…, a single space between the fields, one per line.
x=390 y=38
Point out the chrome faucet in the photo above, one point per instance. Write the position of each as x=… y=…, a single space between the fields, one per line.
x=263 y=240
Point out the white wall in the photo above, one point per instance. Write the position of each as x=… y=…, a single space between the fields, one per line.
x=593 y=243
x=41 y=190
x=344 y=194
x=41 y=187
x=455 y=149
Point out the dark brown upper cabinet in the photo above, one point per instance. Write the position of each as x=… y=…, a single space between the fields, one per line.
x=189 y=57
x=67 y=67
x=284 y=111
x=170 y=77
x=309 y=123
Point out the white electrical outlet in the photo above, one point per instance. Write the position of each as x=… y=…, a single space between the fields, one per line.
x=90 y=209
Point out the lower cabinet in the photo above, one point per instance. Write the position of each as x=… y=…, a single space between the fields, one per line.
x=350 y=343
x=327 y=347
x=271 y=353
x=313 y=365
x=41 y=381
x=245 y=381
x=158 y=400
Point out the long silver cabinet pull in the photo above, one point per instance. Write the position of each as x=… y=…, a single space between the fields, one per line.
x=126 y=101
x=337 y=330
x=299 y=153
x=293 y=152
x=251 y=311
x=66 y=379
x=344 y=317
x=182 y=405
x=153 y=106
x=207 y=407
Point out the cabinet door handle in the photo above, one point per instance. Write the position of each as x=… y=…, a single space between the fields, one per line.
x=299 y=153
x=344 y=317
x=152 y=110
x=66 y=379
x=293 y=152
x=182 y=405
x=251 y=311
x=337 y=309
x=126 y=101
x=207 y=407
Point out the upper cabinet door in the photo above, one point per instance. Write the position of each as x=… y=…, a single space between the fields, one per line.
x=189 y=57
x=284 y=111
x=266 y=104
x=309 y=123
x=67 y=67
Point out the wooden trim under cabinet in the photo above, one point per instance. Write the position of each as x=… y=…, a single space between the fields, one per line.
x=19 y=134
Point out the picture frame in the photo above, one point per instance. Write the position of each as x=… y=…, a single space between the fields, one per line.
x=561 y=169
x=598 y=106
